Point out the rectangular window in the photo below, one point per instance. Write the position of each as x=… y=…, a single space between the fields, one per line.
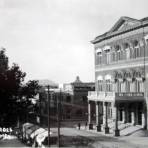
x=100 y=85
x=118 y=55
x=108 y=86
x=99 y=58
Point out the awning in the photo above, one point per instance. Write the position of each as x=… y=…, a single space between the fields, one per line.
x=26 y=125
x=36 y=132
x=99 y=50
x=107 y=48
x=108 y=77
x=41 y=137
x=30 y=130
x=99 y=77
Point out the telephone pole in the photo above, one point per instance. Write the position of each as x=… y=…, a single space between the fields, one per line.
x=48 y=106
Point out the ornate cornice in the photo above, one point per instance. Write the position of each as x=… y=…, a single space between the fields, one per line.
x=109 y=35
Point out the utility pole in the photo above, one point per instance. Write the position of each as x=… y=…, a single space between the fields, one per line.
x=48 y=106
x=58 y=116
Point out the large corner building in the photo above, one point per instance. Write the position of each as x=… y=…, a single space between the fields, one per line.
x=121 y=76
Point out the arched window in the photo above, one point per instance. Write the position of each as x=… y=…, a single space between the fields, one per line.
x=113 y=56
x=108 y=83
x=127 y=51
x=123 y=86
x=99 y=56
x=100 y=83
x=136 y=49
x=127 y=82
x=118 y=52
x=139 y=83
x=119 y=82
x=107 y=54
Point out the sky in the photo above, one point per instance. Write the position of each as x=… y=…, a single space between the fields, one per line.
x=50 y=39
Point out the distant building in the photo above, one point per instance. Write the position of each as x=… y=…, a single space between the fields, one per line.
x=121 y=76
x=74 y=103
x=73 y=100
x=42 y=105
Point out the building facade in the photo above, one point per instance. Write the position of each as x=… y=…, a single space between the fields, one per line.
x=74 y=103
x=47 y=105
x=121 y=76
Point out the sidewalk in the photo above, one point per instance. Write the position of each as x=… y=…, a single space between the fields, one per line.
x=101 y=140
x=124 y=132
x=11 y=141
x=131 y=137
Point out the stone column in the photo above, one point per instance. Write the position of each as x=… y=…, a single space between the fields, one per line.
x=104 y=113
x=106 y=119
x=89 y=116
x=117 y=131
x=123 y=116
x=143 y=120
x=98 y=125
x=133 y=118
x=126 y=113
x=136 y=113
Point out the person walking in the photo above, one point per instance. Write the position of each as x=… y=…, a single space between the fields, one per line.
x=79 y=125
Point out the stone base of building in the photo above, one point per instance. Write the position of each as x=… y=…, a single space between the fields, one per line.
x=106 y=130
x=90 y=126
x=98 y=128
x=144 y=127
x=117 y=132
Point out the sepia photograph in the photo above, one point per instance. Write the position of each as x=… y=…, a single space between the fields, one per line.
x=74 y=73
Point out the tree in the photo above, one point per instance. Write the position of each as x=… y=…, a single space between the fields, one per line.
x=31 y=88
x=29 y=91
x=11 y=79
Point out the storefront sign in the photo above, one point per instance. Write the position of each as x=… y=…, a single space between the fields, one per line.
x=4 y=130
x=130 y=94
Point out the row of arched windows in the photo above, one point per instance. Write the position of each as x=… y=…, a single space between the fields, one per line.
x=126 y=82
x=129 y=86
x=126 y=86
x=117 y=53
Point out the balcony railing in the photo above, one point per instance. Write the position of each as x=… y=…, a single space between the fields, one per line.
x=94 y=95
x=123 y=62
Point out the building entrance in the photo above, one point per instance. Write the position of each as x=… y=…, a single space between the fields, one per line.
x=140 y=114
